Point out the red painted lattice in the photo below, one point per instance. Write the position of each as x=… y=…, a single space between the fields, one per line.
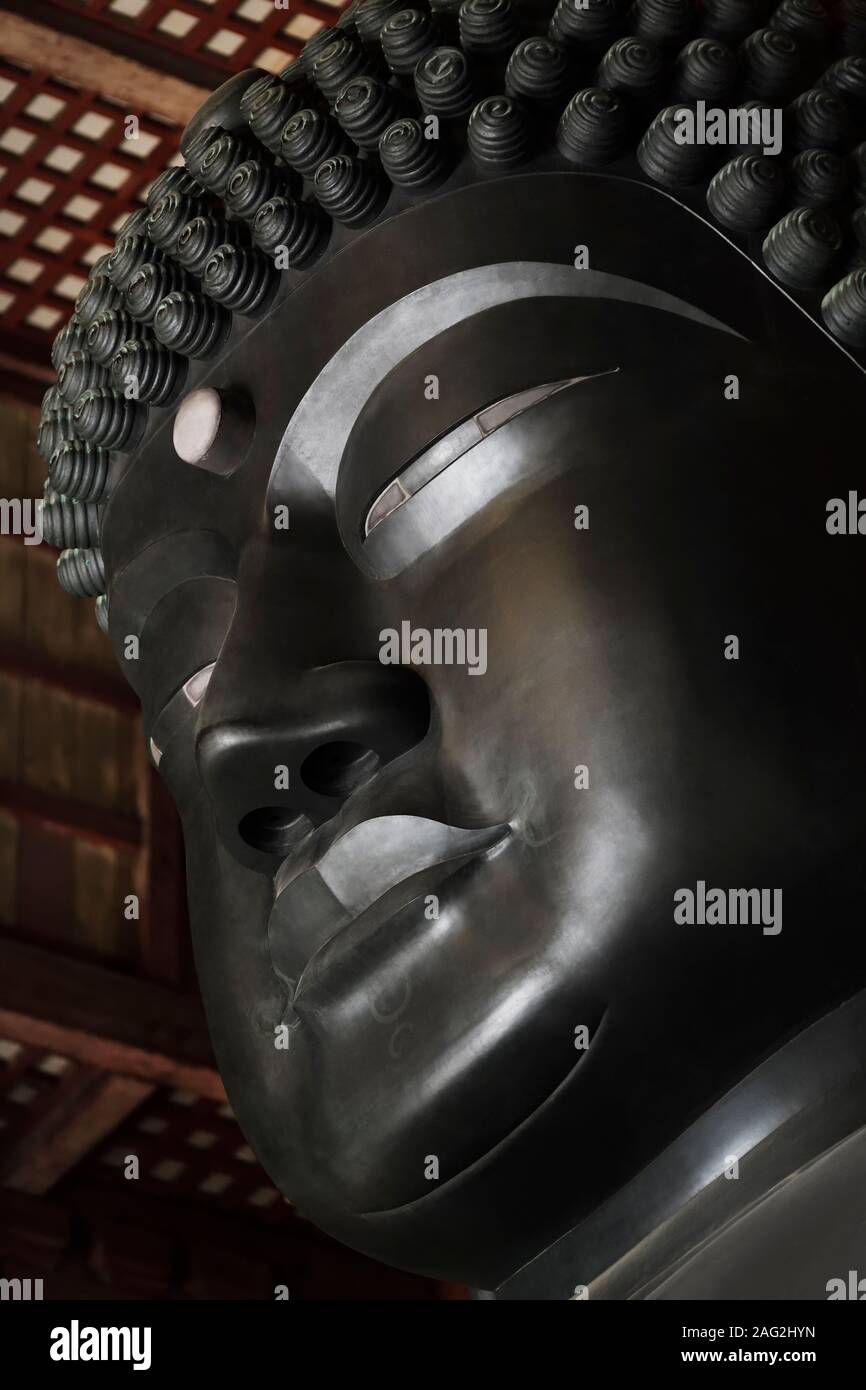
x=191 y=1147
x=227 y=34
x=68 y=174
x=69 y=178
x=31 y=1079
x=187 y=1146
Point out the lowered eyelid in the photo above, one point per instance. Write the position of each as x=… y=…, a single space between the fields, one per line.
x=315 y=438
x=457 y=443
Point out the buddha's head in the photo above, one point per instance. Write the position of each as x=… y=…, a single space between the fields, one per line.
x=461 y=506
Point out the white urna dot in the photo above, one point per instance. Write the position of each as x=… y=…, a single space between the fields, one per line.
x=196 y=424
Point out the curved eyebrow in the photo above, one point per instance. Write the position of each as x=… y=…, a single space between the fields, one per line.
x=316 y=436
x=457 y=442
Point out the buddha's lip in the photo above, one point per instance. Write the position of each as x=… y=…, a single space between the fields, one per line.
x=327 y=846
x=358 y=870
x=376 y=855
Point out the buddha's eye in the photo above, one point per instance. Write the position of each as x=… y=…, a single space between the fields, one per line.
x=454 y=445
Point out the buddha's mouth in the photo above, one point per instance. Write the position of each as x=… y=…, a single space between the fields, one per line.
x=382 y=863
x=407 y=1009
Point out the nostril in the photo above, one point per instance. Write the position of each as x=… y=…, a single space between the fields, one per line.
x=338 y=768
x=273 y=829
x=330 y=732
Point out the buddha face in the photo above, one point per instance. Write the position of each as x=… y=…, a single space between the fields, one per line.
x=485 y=604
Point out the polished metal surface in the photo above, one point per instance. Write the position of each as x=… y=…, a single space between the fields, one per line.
x=442 y=777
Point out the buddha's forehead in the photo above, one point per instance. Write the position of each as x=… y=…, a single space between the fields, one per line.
x=304 y=373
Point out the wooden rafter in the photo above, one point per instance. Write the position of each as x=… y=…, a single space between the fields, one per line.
x=80 y=681
x=85 y=822
x=94 y=67
x=189 y=52
x=82 y=1114
x=108 y=1020
x=163 y=928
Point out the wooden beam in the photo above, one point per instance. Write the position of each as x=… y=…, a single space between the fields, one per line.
x=75 y=818
x=17 y=388
x=81 y=681
x=34 y=1233
x=108 y=1020
x=81 y=1115
x=164 y=926
x=92 y=1224
x=40 y=373
x=116 y=33
x=88 y=65
x=25 y=364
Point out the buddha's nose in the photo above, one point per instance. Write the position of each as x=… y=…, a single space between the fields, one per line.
x=274 y=769
x=299 y=715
